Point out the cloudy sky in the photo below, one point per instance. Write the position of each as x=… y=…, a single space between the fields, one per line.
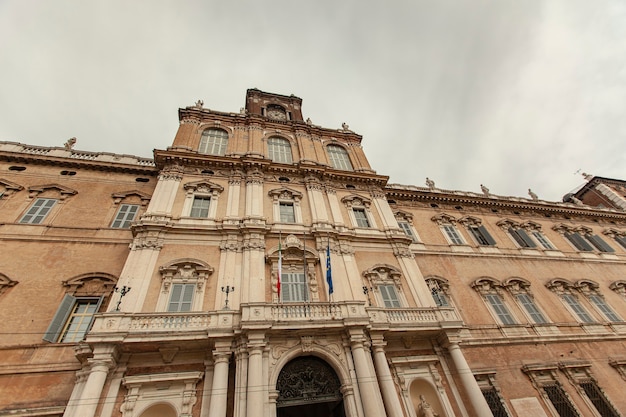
x=511 y=94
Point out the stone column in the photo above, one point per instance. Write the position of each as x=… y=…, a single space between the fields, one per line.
x=241 y=380
x=469 y=382
x=103 y=360
x=255 y=399
x=206 y=389
x=387 y=387
x=219 y=388
x=370 y=394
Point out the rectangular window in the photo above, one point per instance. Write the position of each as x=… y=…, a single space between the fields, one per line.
x=621 y=240
x=38 y=211
x=598 y=399
x=389 y=296
x=293 y=287
x=582 y=314
x=601 y=304
x=481 y=235
x=494 y=402
x=181 y=297
x=287 y=213
x=560 y=401
x=125 y=216
x=522 y=238
x=73 y=319
x=406 y=228
x=543 y=240
x=361 y=217
x=579 y=242
x=453 y=234
x=200 y=207
x=599 y=243
x=529 y=305
x=500 y=309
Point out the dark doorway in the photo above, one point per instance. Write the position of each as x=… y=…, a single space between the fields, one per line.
x=329 y=409
x=308 y=387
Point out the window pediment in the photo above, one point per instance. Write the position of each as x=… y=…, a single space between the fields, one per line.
x=203 y=187
x=619 y=287
x=487 y=285
x=185 y=270
x=587 y=286
x=403 y=215
x=291 y=252
x=64 y=192
x=91 y=284
x=8 y=188
x=285 y=193
x=444 y=218
x=516 y=285
x=355 y=200
x=560 y=285
x=383 y=274
x=121 y=196
x=470 y=221
x=506 y=223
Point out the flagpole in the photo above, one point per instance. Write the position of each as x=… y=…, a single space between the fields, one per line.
x=329 y=275
x=280 y=265
x=306 y=279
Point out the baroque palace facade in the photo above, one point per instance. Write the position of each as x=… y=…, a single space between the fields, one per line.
x=134 y=287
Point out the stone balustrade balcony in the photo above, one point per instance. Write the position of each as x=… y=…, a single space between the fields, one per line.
x=136 y=327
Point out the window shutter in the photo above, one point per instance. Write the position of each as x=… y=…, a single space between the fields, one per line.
x=483 y=231
x=579 y=242
x=59 y=319
x=599 y=243
x=621 y=240
x=524 y=236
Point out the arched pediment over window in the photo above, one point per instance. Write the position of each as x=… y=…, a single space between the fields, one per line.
x=444 y=218
x=383 y=273
x=560 y=285
x=516 y=284
x=291 y=251
x=91 y=284
x=587 y=286
x=485 y=285
x=186 y=270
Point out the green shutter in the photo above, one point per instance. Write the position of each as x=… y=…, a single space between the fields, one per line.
x=59 y=319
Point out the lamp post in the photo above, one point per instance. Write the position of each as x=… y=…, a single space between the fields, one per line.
x=367 y=291
x=123 y=291
x=227 y=289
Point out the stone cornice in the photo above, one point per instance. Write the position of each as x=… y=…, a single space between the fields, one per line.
x=413 y=193
x=18 y=153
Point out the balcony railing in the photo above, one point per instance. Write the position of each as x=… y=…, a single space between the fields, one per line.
x=262 y=315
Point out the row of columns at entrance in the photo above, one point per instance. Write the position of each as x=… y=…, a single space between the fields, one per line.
x=376 y=389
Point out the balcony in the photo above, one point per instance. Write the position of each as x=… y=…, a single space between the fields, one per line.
x=134 y=327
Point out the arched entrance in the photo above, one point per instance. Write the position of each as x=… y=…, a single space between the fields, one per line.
x=308 y=387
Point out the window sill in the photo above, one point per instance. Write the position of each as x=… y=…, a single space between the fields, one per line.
x=461 y=248
x=488 y=249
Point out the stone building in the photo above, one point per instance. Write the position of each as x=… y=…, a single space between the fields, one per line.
x=259 y=267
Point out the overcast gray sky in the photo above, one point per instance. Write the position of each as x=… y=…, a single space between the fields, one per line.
x=511 y=94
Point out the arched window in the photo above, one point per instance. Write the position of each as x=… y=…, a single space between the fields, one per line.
x=213 y=142
x=339 y=158
x=279 y=150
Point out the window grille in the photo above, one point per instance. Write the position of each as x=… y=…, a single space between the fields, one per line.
x=560 y=401
x=599 y=401
x=494 y=402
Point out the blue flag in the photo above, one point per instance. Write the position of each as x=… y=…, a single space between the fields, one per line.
x=329 y=276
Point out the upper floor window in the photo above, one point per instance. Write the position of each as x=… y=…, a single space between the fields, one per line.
x=447 y=225
x=200 y=207
x=491 y=291
x=478 y=231
x=84 y=296
x=567 y=291
x=386 y=281
x=183 y=282
x=590 y=289
x=404 y=220
x=213 y=142
x=583 y=239
x=8 y=188
x=279 y=150
x=361 y=217
x=125 y=216
x=439 y=289
x=618 y=235
x=519 y=288
x=38 y=211
x=580 y=375
x=491 y=392
x=201 y=200
x=293 y=265
x=286 y=204
x=339 y=158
